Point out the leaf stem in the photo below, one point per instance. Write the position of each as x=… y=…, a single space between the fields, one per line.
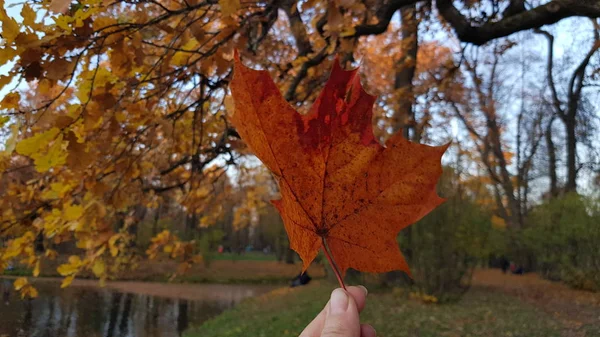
x=332 y=263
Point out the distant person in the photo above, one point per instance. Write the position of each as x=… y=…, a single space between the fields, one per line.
x=516 y=270
x=301 y=280
x=340 y=317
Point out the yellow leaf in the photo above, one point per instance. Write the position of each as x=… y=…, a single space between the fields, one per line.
x=64 y=22
x=98 y=268
x=56 y=191
x=20 y=283
x=36 y=270
x=10 y=27
x=32 y=145
x=28 y=15
x=70 y=268
x=11 y=101
x=181 y=57
x=4 y=80
x=67 y=281
x=29 y=291
x=114 y=250
x=3 y=120
x=51 y=254
x=56 y=156
x=73 y=212
x=7 y=54
x=229 y=7
x=44 y=86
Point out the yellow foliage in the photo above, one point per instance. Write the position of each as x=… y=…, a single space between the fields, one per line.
x=28 y=15
x=70 y=268
x=25 y=288
x=72 y=212
x=11 y=101
x=498 y=222
x=55 y=156
x=229 y=7
x=67 y=281
x=34 y=144
x=99 y=268
x=10 y=27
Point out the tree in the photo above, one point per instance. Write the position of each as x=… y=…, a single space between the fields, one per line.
x=568 y=106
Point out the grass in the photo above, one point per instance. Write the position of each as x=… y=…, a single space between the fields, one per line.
x=17 y=272
x=286 y=312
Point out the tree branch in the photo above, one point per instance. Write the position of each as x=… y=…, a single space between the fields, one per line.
x=539 y=16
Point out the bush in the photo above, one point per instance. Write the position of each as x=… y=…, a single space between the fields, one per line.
x=564 y=235
x=446 y=245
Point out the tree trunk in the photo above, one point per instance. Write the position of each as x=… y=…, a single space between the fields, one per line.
x=551 y=161
x=289 y=256
x=404 y=119
x=405 y=71
x=570 y=124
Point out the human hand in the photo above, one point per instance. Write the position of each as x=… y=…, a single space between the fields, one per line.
x=340 y=317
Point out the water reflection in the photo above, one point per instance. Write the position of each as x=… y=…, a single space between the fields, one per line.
x=90 y=312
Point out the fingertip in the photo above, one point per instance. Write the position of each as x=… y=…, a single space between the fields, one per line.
x=367 y=331
x=359 y=294
x=339 y=301
x=364 y=289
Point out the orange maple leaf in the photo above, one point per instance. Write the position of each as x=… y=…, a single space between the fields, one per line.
x=340 y=189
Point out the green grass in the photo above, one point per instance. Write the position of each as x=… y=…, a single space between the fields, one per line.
x=17 y=272
x=479 y=313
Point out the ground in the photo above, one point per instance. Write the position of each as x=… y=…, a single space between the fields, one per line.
x=577 y=311
x=496 y=305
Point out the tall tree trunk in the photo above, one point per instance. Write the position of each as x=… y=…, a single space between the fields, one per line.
x=570 y=124
x=405 y=71
x=551 y=161
x=404 y=118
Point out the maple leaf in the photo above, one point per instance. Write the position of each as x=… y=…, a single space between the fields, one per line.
x=341 y=190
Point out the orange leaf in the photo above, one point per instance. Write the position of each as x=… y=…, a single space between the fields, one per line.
x=340 y=188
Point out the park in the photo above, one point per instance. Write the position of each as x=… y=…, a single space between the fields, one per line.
x=310 y=168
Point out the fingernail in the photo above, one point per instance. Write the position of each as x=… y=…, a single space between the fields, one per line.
x=339 y=301
x=364 y=289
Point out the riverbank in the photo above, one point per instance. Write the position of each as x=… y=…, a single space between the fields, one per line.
x=497 y=305
x=223 y=271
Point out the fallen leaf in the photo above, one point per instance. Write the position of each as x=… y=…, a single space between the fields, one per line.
x=341 y=190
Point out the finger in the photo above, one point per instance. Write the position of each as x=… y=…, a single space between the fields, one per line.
x=359 y=293
x=367 y=331
x=342 y=317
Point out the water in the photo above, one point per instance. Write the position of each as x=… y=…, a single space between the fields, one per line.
x=125 y=310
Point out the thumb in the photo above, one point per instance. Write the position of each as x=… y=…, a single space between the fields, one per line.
x=342 y=316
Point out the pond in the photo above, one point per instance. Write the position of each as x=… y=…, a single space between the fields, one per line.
x=122 y=309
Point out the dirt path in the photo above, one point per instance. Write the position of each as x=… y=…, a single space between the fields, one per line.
x=577 y=310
